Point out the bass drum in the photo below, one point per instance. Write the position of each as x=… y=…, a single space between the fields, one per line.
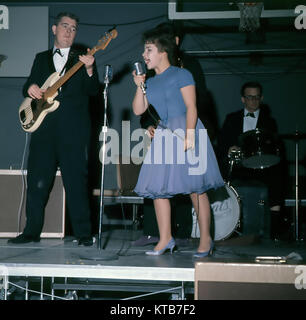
x=225 y=205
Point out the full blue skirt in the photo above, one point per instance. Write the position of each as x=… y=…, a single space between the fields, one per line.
x=168 y=170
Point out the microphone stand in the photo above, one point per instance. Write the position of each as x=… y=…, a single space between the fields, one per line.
x=104 y=131
x=97 y=255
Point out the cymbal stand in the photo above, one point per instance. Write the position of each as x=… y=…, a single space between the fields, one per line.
x=234 y=157
x=229 y=174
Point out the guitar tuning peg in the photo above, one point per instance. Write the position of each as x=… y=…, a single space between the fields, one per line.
x=114 y=27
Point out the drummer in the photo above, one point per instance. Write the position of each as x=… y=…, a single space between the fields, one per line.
x=253 y=115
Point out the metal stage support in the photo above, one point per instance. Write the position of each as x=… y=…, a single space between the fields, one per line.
x=63 y=282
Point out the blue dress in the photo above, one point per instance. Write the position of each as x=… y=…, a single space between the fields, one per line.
x=167 y=169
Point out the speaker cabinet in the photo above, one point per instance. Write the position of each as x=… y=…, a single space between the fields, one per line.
x=12 y=206
x=249 y=281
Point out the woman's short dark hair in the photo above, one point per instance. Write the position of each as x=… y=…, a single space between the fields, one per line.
x=175 y=27
x=251 y=84
x=164 y=41
x=70 y=15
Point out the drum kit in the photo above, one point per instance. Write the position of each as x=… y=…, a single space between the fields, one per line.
x=259 y=149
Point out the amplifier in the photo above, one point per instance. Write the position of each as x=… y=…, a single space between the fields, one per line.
x=249 y=280
x=12 y=206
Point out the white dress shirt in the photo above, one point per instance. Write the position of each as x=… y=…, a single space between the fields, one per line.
x=59 y=62
x=249 y=123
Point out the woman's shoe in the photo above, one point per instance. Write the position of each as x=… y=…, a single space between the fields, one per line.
x=205 y=253
x=170 y=246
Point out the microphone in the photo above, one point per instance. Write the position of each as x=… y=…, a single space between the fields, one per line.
x=139 y=71
x=108 y=73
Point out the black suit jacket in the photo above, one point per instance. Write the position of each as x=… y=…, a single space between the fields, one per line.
x=71 y=120
x=233 y=128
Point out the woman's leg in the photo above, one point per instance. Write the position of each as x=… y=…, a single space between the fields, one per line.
x=163 y=216
x=202 y=208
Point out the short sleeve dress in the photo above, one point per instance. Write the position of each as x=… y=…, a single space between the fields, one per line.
x=167 y=169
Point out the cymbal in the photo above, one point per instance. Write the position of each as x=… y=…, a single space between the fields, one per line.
x=294 y=136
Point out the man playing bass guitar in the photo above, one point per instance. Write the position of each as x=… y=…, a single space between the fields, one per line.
x=62 y=139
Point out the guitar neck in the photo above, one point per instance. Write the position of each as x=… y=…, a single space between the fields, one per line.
x=102 y=44
x=67 y=75
x=52 y=90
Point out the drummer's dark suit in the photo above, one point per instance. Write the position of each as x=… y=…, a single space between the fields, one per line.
x=229 y=136
x=62 y=140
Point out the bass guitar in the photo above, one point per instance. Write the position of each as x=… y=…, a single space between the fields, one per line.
x=32 y=112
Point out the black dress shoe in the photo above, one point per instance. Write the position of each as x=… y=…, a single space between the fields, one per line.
x=86 y=241
x=22 y=238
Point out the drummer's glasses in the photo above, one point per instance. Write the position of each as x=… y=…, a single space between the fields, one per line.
x=257 y=97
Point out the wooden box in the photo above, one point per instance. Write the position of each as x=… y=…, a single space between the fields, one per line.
x=249 y=280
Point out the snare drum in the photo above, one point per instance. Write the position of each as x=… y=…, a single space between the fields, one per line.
x=259 y=149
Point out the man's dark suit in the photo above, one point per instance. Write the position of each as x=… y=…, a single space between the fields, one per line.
x=62 y=140
x=229 y=136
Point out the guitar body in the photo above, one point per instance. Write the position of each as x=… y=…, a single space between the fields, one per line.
x=32 y=111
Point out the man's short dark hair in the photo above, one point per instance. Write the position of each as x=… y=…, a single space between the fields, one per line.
x=251 y=84
x=70 y=15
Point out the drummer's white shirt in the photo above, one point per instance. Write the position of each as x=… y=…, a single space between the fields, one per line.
x=250 y=123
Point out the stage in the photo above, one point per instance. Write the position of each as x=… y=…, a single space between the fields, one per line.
x=59 y=269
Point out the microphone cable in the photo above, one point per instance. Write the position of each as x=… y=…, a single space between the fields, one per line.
x=24 y=183
x=159 y=123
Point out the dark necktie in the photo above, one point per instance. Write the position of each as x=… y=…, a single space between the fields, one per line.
x=250 y=114
x=58 y=51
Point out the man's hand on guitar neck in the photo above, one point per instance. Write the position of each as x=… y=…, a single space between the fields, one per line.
x=35 y=92
x=88 y=61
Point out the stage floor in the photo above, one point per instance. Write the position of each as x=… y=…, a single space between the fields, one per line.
x=119 y=266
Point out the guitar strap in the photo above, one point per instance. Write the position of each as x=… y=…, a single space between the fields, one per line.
x=70 y=55
x=68 y=63
x=64 y=67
